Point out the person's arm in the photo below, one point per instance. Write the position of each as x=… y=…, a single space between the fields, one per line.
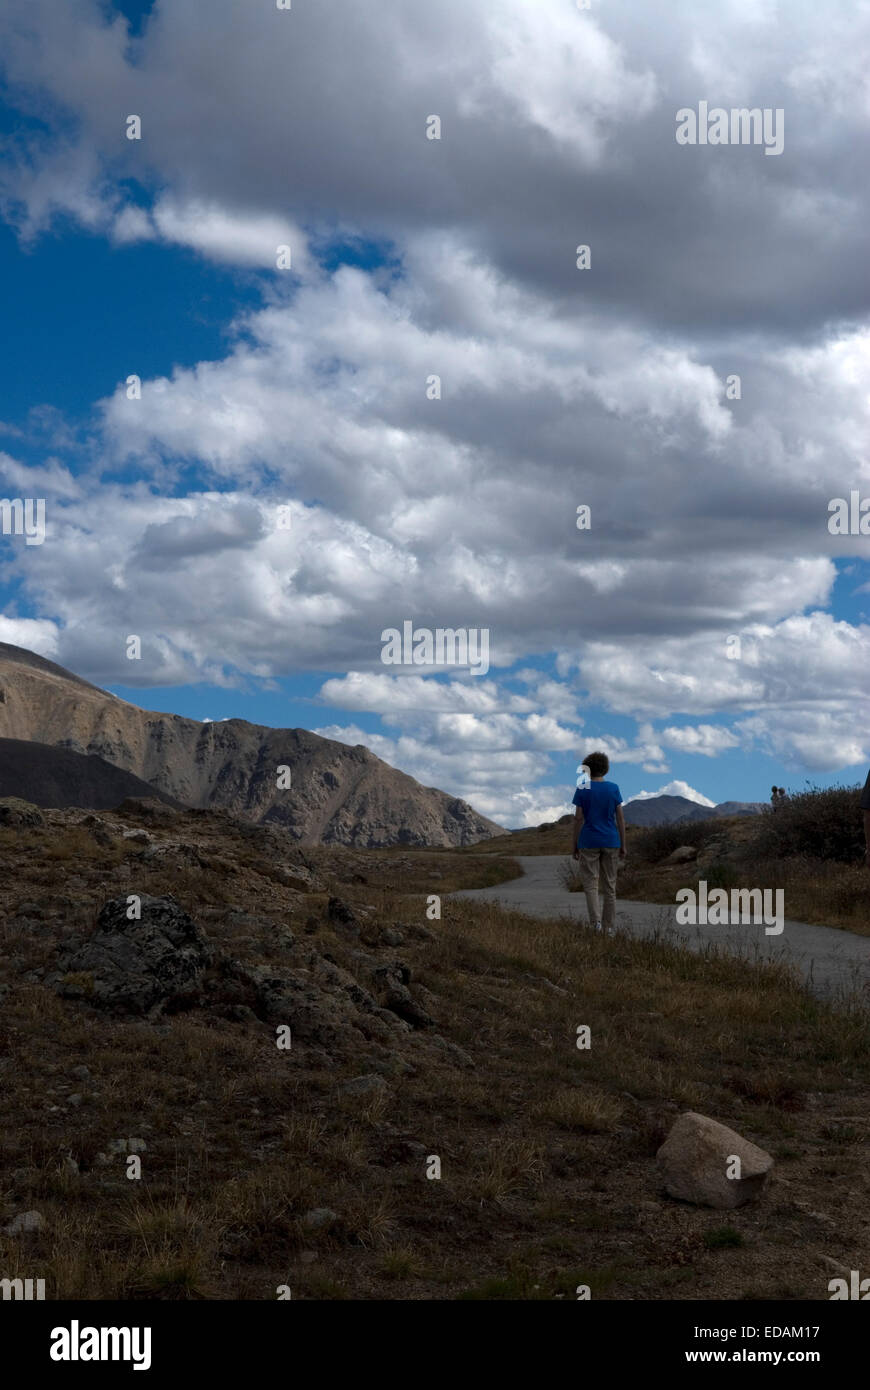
x=620 y=825
x=575 y=831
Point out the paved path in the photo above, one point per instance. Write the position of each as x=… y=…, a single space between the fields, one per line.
x=830 y=960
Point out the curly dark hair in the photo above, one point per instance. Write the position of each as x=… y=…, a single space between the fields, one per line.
x=598 y=764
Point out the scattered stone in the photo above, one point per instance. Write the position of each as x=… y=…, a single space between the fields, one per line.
x=317 y=1058
x=75 y=1100
x=321 y=1002
x=401 y=1148
x=81 y=1073
x=307 y=1257
x=134 y=966
x=127 y=1146
x=418 y=933
x=25 y=1223
x=455 y=1053
x=149 y=809
x=319 y=1217
x=364 y=1086
x=343 y=917
x=391 y=937
x=298 y=877
x=171 y=853
x=392 y=993
x=14 y=811
x=684 y=854
x=695 y=1159
x=239 y=1013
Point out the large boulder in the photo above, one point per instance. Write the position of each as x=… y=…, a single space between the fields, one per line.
x=153 y=963
x=698 y=1156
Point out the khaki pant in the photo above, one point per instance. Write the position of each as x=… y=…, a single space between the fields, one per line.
x=599 y=865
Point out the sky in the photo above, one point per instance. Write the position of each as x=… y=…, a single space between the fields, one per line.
x=315 y=355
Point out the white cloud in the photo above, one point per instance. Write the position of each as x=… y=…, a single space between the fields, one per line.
x=707 y=739
x=559 y=387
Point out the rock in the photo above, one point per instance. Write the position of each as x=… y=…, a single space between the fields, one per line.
x=319 y=1217
x=81 y=1073
x=239 y=1013
x=307 y=1257
x=127 y=1146
x=171 y=854
x=135 y=966
x=148 y=809
x=363 y=1086
x=317 y=1058
x=342 y=916
x=393 y=994
x=418 y=933
x=400 y=1148
x=298 y=877
x=455 y=1053
x=75 y=1100
x=321 y=1002
x=391 y=937
x=684 y=854
x=14 y=811
x=25 y=1223
x=137 y=837
x=695 y=1159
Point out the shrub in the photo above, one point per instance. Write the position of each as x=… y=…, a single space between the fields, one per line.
x=655 y=842
x=821 y=824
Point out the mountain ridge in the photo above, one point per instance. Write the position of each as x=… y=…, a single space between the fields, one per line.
x=670 y=810
x=338 y=794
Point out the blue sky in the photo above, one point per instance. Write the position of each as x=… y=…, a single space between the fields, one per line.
x=306 y=389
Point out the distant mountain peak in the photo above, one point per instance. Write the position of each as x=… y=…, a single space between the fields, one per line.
x=667 y=810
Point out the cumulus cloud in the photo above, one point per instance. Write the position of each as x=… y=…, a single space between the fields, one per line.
x=559 y=387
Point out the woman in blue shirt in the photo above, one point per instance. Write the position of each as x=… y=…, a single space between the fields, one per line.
x=598 y=840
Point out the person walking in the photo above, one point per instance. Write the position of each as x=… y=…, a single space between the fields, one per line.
x=598 y=840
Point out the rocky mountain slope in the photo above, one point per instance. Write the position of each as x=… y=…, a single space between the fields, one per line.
x=337 y=794
x=58 y=777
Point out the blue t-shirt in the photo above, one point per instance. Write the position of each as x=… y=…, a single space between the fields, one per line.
x=598 y=802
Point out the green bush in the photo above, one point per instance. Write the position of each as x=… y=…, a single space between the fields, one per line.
x=821 y=824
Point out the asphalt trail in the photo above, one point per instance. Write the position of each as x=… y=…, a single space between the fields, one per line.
x=832 y=962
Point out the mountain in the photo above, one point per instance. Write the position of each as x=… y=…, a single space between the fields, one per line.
x=48 y=776
x=338 y=794
x=666 y=810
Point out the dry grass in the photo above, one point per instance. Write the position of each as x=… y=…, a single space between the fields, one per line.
x=546 y=1150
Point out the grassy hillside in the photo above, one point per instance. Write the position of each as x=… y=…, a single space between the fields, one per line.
x=259 y=1169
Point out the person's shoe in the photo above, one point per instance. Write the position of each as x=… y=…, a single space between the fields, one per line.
x=596 y=926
